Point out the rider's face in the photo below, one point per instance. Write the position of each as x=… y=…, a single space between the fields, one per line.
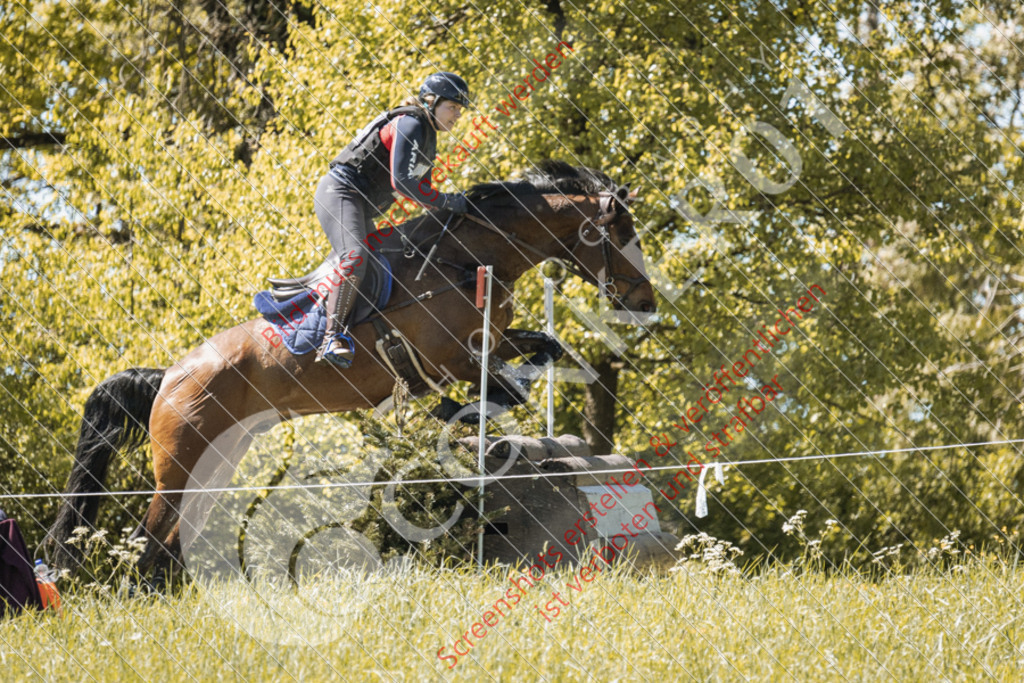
x=447 y=114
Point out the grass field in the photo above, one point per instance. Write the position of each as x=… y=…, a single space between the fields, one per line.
x=958 y=623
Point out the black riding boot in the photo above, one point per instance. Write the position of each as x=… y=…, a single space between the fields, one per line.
x=338 y=346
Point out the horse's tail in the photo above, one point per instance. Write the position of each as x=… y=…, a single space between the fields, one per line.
x=116 y=417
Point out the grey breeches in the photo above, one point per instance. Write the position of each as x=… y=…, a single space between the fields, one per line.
x=346 y=218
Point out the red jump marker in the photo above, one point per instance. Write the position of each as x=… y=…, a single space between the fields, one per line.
x=481 y=284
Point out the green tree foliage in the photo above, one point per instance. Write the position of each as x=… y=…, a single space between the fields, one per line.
x=161 y=159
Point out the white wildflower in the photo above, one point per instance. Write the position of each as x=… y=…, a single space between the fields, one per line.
x=795 y=525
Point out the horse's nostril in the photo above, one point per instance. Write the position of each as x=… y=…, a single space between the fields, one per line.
x=646 y=307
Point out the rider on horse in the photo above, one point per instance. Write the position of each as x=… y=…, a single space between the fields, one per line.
x=394 y=154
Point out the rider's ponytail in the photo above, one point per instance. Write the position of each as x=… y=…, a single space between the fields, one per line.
x=413 y=100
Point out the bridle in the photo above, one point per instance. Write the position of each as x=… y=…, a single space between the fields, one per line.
x=605 y=215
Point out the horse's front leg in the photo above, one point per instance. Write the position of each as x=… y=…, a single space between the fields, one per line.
x=512 y=383
x=509 y=385
x=517 y=343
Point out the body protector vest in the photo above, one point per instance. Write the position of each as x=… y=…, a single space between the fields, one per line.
x=367 y=156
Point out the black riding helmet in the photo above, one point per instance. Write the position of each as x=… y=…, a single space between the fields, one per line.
x=445 y=85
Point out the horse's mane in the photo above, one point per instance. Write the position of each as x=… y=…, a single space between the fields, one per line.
x=549 y=177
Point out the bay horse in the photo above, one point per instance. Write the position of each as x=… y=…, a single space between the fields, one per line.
x=574 y=214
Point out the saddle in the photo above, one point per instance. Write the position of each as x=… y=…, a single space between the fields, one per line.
x=374 y=291
x=296 y=308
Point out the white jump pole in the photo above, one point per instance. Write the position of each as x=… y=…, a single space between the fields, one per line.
x=549 y=316
x=484 y=276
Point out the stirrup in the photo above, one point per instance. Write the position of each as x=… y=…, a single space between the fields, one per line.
x=341 y=357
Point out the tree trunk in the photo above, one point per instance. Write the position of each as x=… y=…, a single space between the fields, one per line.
x=599 y=407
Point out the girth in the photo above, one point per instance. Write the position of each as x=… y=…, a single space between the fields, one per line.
x=402 y=359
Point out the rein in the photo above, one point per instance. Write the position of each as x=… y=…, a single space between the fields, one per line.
x=605 y=214
x=509 y=236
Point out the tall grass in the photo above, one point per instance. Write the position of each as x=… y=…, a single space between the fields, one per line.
x=957 y=614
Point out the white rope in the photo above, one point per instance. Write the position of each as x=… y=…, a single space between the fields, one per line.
x=702 y=494
x=474 y=481
x=702 y=491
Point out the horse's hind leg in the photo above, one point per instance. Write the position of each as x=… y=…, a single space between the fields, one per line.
x=196 y=442
x=161 y=526
x=160 y=555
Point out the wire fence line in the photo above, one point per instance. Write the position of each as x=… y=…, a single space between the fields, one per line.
x=475 y=480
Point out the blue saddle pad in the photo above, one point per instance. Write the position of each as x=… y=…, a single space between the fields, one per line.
x=302 y=320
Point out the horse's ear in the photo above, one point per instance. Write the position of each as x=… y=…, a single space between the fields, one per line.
x=624 y=196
